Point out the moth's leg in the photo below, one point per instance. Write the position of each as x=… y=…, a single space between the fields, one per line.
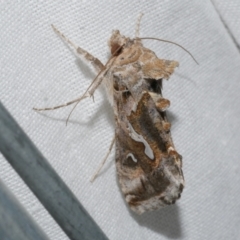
x=104 y=160
x=88 y=93
x=96 y=63
x=62 y=105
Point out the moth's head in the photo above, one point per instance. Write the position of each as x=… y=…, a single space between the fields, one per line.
x=117 y=42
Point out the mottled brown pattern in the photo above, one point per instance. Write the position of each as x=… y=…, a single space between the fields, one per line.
x=148 y=166
x=137 y=75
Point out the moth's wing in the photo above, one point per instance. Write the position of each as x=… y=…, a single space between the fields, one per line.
x=148 y=166
x=156 y=68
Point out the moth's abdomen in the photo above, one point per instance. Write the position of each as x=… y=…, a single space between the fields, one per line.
x=148 y=166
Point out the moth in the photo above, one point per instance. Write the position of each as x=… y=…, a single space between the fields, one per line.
x=148 y=166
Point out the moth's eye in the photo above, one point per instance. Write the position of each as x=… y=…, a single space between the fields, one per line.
x=126 y=94
x=116 y=86
x=116 y=49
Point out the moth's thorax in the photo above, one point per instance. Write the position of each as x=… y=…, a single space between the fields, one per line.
x=126 y=51
x=117 y=43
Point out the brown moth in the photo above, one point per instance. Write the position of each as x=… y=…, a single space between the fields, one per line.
x=149 y=168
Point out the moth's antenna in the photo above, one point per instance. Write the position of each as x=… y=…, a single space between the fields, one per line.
x=138 y=25
x=162 y=40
